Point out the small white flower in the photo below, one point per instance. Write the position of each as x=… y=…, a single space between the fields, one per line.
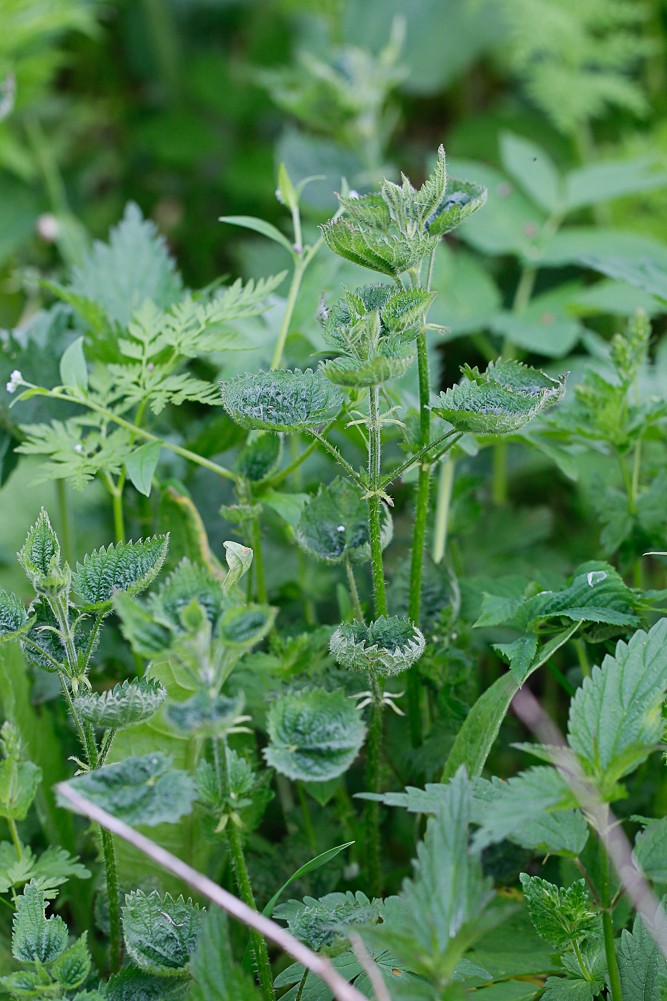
x=48 y=227
x=341 y=528
x=15 y=380
x=78 y=447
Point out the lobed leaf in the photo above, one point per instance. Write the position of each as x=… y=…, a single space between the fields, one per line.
x=314 y=735
x=123 y=705
x=281 y=401
x=161 y=934
x=36 y=938
x=559 y=915
x=126 y=566
x=319 y=922
x=140 y=790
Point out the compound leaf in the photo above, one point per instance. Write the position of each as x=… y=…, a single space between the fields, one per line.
x=161 y=933
x=315 y=735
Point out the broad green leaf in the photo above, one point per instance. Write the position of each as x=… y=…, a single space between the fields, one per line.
x=519 y=654
x=461 y=199
x=36 y=938
x=508 y=806
x=314 y=735
x=575 y=244
x=532 y=168
x=241 y=627
x=281 y=401
x=641 y=965
x=601 y=182
x=13 y=617
x=289 y=507
x=205 y=713
x=139 y=790
x=259 y=226
x=239 y=560
x=318 y=923
x=216 y=976
x=146 y=636
x=71 y=969
x=126 y=566
x=562 y=833
x=304 y=870
x=644 y=273
x=187 y=583
x=141 y=464
x=388 y=646
x=123 y=705
x=334 y=524
x=546 y=326
x=73 y=367
x=597 y=593
x=559 y=914
x=651 y=850
x=615 y=717
x=132 y=984
x=18 y=786
x=391 y=360
x=566 y=989
x=132 y=267
x=161 y=934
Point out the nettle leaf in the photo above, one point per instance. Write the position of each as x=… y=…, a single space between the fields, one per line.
x=641 y=965
x=126 y=566
x=260 y=456
x=315 y=735
x=334 y=524
x=146 y=636
x=131 y=984
x=504 y=809
x=499 y=401
x=615 y=716
x=446 y=898
x=281 y=401
x=46 y=649
x=650 y=851
x=597 y=593
x=71 y=969
x=559 y=915
x=161 y=933
x=36 y=938
x=243 y=626
x=391 y=360
x=216 y=976
x=204 y=712
x=406 y=309
x=372 y=248
x=40 y=554
x=14 y=619
x=132 y=267
x=19 y=781
x=389 y=645
x=319 y=922
x=462 y=198
x=123 y=705
x=140 y=790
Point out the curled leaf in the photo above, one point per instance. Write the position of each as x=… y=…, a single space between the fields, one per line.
x=315 y=735
x=462 y=198
x=124 y=705
x=389 y=645
x=281 y=401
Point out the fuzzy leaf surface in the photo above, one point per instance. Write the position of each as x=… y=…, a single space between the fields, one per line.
x=140 y=790
x=641 y=965
x=615 y=716
x=132 y=984
x=36 y=938
x=315 y=735
x=559 y=914
x=125 y=566
x=161 y=933
x=281 y=401
x=334 y=524
x=13 y=617
x=123 y=705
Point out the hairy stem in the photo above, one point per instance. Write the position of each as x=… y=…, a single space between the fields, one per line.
x=241 y=875
x=332 y=450
x=608 y=926
x=372 y=808
x=580 y=959
x=374 y=502
x=65 y=522
x=113 y=894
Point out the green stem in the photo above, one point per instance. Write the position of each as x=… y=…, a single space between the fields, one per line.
x=72 y=711
x=582 y=657
x=580 y=959
x=354 y=593
x=445 y=484
x=307 y=819
x=332 y=450
x=302 y=984
x=242 y=877
x=185 y=453
x=113 y=893
x=450 y=438
x=372 y=809
x=13 y=830
x=608 y=927
x=106 y=747
x=116 y=491
x=374 y=509
x=300 y=264
x=258 y=562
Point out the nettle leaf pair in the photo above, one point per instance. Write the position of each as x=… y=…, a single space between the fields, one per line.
x=393 y=230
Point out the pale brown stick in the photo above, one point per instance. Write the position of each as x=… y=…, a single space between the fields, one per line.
x=599 y=815
x=319 y=965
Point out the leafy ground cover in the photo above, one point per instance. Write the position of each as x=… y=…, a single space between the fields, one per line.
x=346 y=614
